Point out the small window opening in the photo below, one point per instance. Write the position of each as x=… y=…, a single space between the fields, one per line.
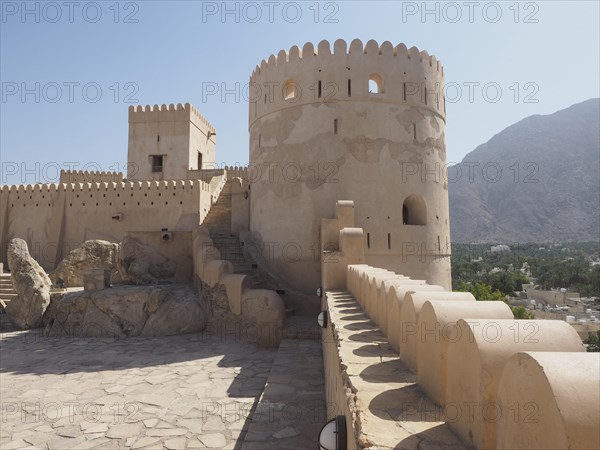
x=349 y=88
x=375 y=84
x=319 y=90
x=389 y=242
x=157 y=163
x=290 y=91
x=335 y=126
x=368 y=240
x=414 y=211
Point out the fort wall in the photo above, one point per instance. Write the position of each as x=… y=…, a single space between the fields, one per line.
x=533 y=374
x=83 y=176
x=56 y=218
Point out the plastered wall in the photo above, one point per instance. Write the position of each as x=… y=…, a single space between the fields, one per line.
x=177 y=132
x=378 y=150
x=55 y=219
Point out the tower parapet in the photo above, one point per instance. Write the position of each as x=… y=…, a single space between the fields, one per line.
x=167 y=142
x=323 y=75
x=169 y=113
x=352 y=122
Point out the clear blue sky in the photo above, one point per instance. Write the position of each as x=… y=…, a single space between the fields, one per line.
x=162 y=52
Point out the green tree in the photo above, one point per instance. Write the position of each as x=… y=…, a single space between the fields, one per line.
x=593 y=342
x=521 y=313
x=480 y=291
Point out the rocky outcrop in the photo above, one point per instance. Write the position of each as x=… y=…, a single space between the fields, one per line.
x=32 y=285
x=125 y=311
x=91 y=255
x=141 y=264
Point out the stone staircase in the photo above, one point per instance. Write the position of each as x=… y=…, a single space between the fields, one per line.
x=218 y=222
x=7 y=293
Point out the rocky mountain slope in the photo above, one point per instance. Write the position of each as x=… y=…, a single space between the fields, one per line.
x=536 y=181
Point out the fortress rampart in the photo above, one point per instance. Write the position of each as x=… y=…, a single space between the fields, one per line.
x=56 y=218
x=84 y=176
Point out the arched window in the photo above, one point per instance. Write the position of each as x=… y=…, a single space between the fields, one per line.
x=375 y=84
x=414 y=210
x=290 y=90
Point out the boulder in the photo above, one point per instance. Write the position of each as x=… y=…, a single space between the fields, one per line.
x=91 y=255
x=32 y=285
x=125 y=311
x=141 y=264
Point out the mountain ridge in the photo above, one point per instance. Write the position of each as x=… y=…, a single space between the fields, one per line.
x=538 y=180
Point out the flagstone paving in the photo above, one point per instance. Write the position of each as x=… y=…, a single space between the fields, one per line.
x=190 y=391
x=292 y=408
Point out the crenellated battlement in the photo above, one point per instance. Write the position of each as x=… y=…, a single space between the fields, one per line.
x=340 y=49
x=83 y=176
x=28 y=194
x=168 y=113
x=328 y=74
x=237 y=171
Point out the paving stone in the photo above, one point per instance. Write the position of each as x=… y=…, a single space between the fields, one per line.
x=213 y=440
x=93 y=436
x=166 y=432
x=193 y=425
x=117 y=405
x=176 y=444
x=213 y=423
x=69 y=432
x=123 y=431
x=151 y=423
x=195 y=443
x=287 y=432
x=96 y=428
x=145 y=441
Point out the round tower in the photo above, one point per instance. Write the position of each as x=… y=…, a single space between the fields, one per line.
x=362 y=123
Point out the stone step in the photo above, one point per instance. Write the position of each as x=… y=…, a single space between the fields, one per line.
x=295 y=383
x=8 y=296
x=7 y=291
x=220 y=219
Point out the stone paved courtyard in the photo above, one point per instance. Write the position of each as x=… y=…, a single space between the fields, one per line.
x=190 y=391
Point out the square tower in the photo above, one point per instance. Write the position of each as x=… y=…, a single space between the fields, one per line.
x=166 y=142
